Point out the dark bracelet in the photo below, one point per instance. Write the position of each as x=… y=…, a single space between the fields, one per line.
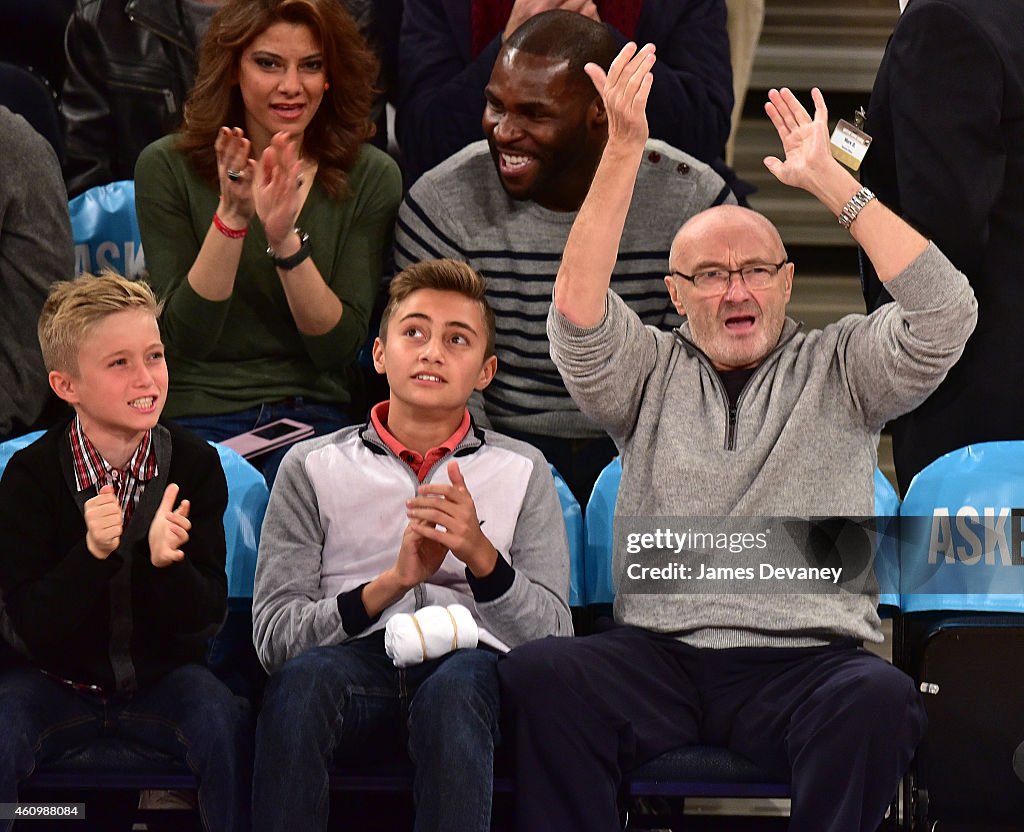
x=286 y=263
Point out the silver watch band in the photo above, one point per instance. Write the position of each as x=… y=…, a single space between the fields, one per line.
x=854 y=207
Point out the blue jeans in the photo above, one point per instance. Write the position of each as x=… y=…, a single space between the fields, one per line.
x=188 y=715
x=333 y=703
x=325 y=418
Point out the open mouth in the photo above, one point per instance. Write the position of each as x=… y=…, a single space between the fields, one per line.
x=288 y=111
x=143 y=403
x=428 y=378
x=740 y=323
x=514 y=164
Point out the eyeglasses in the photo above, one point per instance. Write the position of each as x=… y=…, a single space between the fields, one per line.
x=716 y=281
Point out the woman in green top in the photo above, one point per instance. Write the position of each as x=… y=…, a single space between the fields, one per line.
x=267 y=240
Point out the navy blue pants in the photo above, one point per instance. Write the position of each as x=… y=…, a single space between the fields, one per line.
x=839 y=722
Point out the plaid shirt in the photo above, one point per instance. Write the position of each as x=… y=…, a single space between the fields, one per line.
x=92 y=470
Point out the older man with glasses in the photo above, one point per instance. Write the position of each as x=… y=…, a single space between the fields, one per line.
x=736 y=420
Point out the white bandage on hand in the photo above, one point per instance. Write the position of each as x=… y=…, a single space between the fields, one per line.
x=429 y=633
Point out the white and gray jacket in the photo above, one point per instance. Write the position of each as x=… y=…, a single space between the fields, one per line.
x=335 y=522
x=802 y=440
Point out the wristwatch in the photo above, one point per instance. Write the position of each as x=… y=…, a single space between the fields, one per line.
x=854 y=207
x=286 y=263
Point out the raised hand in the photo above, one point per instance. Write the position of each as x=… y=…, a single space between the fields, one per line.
x=624 y=90
x=169 y=530
x=452 y=507
x=236 y=203
x=103 y=523
x=804 y=140
x=276 y=190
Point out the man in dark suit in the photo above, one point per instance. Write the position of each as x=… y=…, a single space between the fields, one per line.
x=947 y=122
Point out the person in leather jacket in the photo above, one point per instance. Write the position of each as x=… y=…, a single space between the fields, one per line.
x=130 y=67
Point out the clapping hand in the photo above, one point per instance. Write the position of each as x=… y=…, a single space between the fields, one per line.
x=169 y=530
x=276 y=190
x=103 y=523
x=235 y=172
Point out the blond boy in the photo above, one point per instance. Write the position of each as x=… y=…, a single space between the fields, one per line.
x=416 y=507
x=112 y=569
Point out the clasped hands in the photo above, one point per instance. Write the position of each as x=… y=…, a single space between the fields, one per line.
x=442 y=518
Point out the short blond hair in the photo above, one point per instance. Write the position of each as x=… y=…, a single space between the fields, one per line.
x=74 y=307
x=444 y=276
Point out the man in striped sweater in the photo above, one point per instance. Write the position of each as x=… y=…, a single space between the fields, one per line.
x=505 y=206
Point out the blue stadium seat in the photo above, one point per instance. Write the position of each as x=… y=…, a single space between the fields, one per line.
x=12 y=446
x=573 y=517
x=962 y=605
x=964 y=553
x=887 y=555
x=248 y=496
x=105 y=230
x=597 y=534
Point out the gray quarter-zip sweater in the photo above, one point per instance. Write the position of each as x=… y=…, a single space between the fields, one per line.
x=803 y=442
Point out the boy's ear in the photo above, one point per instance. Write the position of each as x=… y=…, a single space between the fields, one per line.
x=487 y=371
x=63 y=384
x=378 y=355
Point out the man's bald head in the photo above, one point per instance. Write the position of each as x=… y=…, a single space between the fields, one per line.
x=723 y=222
x=567 y=37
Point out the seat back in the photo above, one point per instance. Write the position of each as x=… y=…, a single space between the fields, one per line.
x=248 y=496
x=29 y=94
x=572 y=514
x=961 y=532
x=106 y=231
x=887 y=552
x=12 y=446
x=598 y=524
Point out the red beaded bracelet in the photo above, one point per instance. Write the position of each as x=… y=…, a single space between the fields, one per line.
x=233 y=233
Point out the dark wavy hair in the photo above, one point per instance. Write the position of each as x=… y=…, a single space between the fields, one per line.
x=341 y=123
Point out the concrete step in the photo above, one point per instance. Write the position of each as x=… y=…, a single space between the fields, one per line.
x=807 y=43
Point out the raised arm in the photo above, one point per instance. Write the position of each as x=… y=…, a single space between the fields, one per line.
x=593 y=245
x=889 y=242
x=893 y=359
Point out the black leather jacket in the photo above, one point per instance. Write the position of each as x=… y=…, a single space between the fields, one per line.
x=130 y=66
